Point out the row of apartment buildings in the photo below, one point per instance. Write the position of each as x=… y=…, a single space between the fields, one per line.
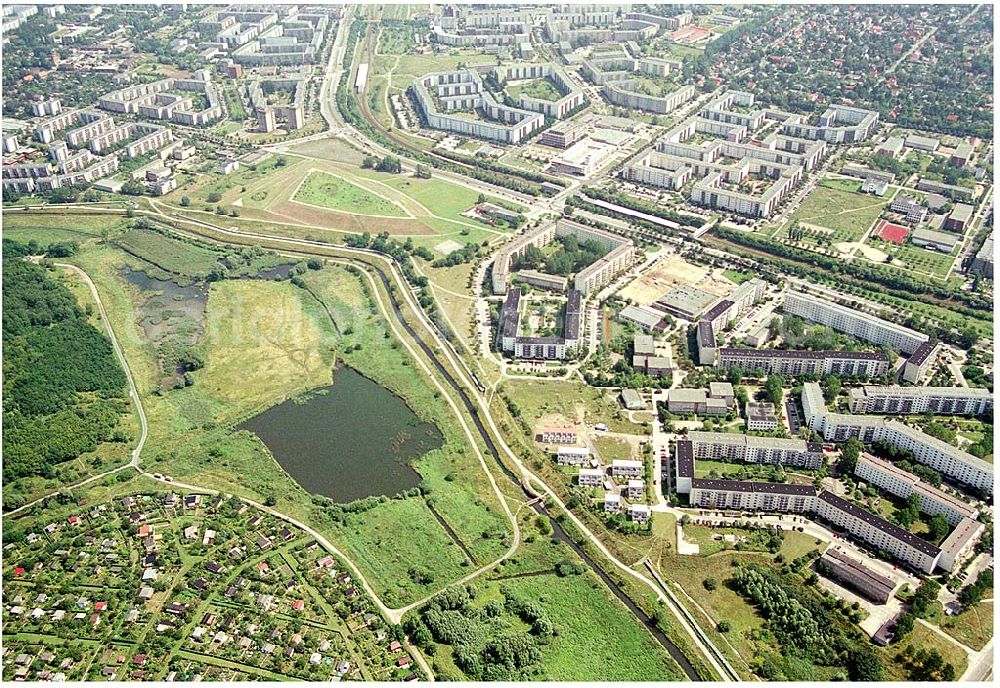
x=948 y=460
x=162 y=100
x=805 y=499
x=886 y=475
x=617 y=75
x=948 y=401
x=853 y=322
x=619 y=257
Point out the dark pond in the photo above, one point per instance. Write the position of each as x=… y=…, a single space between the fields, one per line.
x=351 y=440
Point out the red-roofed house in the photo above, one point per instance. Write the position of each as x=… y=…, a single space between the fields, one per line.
x=298 y=605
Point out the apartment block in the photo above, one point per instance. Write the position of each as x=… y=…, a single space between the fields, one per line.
x=853 y=322
x=886 y=475
x=723 y=446
x=444 y=97
x=920 y=361
x=930 y=451
x=591 y=477
x=946 y=401
x=787 y=362
x=572 y=456
x=620 y=255
x=883 y=535
x=960 y=544
x=626 y=468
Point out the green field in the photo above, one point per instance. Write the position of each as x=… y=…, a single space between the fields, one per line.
x=973 y=627
x=831 y=216
x=172 y=255
x=919 y=259
x=326 y=190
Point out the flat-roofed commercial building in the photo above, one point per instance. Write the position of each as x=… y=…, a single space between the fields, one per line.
x=696 y=401
x=856 y=576
x=946 y=401
x=896 y=481
x=850 y=321
x=723 y=446
x=787 y=362
x=930 y=451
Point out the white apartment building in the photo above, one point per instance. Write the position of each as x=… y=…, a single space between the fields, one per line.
x=639 y=513
x=789 y=362
x=724 y=446
x=853 y=322
x=886 y=475
x=960 y=544
x=612 y=503
x=920 y=361
x=752 y=496
x=946 y=401
x=590 y=477
x=572 y=456
x=864 y=525
x=620 y=256
x=930 y=451
x=636 y=489
x=626 y=468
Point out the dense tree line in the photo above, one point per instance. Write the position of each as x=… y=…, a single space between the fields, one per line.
x=484 y=645
x=63 y=389
x=801 y=624
x=642 y=206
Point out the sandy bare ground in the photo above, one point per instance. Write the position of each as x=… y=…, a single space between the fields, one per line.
x=669 y=272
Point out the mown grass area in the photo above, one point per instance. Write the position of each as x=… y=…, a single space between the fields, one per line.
x=745 y=639
x=543 y=89
x=326 y=190
x=169 y=254
x=921 y=638
x=973 y=627
x=50 y=227
x=571 y=400
x=849 y=185
x=596 y=636
x=438 y=196
x=612 y=448
x=736 y=277
x=846 y=215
